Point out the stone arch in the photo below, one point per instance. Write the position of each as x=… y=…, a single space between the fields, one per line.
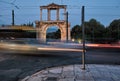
x=53 y=25
x=42 y=25
x=48 y=26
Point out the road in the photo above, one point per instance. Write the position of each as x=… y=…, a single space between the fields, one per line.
x=15 y=66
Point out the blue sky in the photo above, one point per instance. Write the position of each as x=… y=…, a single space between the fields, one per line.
x=105 y=11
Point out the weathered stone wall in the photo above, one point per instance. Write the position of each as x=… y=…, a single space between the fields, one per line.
x=43 y=26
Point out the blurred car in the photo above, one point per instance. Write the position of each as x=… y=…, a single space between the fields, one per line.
x=17 y=46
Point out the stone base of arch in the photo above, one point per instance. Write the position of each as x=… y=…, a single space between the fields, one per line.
x=42 y=27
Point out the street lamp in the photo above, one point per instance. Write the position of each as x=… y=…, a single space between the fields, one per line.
x=93 y=34
x=67 y=26
x=13 y=22
x=118 y=30
x=83 y=38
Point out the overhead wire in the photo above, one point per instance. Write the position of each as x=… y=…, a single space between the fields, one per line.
x=69 y=7
x=75 y=14
x=14 y=1
x=4 y=2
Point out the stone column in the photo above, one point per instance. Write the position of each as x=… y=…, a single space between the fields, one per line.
x=57 y=14
x=49 y=15
x=41 y=14
x=63 y=33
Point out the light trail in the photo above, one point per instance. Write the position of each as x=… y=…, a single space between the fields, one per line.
x=104 y=45
x=59 y=49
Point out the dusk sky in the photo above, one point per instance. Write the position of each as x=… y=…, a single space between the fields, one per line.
x=104 y=11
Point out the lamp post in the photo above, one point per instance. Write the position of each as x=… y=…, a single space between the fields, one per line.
x=66 y=26
x=118 y=30
x=83 y=38
x=13 y=22
x=93 y=34
x=13 y=15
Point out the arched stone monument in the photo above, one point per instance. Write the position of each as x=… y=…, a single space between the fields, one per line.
x=43 y=25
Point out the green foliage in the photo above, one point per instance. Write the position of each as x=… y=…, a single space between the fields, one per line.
x=114 y=29
x=94 y=30
x=54 y=35
x=76 y=32
x=28 y=24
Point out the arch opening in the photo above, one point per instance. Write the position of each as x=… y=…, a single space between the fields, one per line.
x=53 y=34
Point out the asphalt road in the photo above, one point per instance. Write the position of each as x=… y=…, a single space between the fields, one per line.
x=14 y=67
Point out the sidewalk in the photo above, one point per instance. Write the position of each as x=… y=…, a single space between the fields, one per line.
x=93 y=72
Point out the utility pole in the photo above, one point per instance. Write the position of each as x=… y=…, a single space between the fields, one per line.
x=118 y=31
x=13 y=23
x=83 y=38
x=93 y=34
x=66 y=26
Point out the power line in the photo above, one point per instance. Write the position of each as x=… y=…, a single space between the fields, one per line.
x=69 y=7
x=5 y=2
x=11 y=4
x=8 y=2
x=33 y=14
x=14 y=1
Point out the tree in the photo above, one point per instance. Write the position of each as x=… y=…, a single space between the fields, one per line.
x=54 y=35
x=94 y=31
x=58 y=34
x=76 y=32
x=28 y=24
x=114 y=29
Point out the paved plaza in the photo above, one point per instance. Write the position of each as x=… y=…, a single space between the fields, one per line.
x=93 y=72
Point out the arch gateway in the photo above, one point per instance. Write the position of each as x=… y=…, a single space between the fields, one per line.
x=43 y=25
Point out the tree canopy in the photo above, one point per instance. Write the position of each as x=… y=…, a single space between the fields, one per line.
x=94 y=30
x=114 y=29
x=76 y=32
